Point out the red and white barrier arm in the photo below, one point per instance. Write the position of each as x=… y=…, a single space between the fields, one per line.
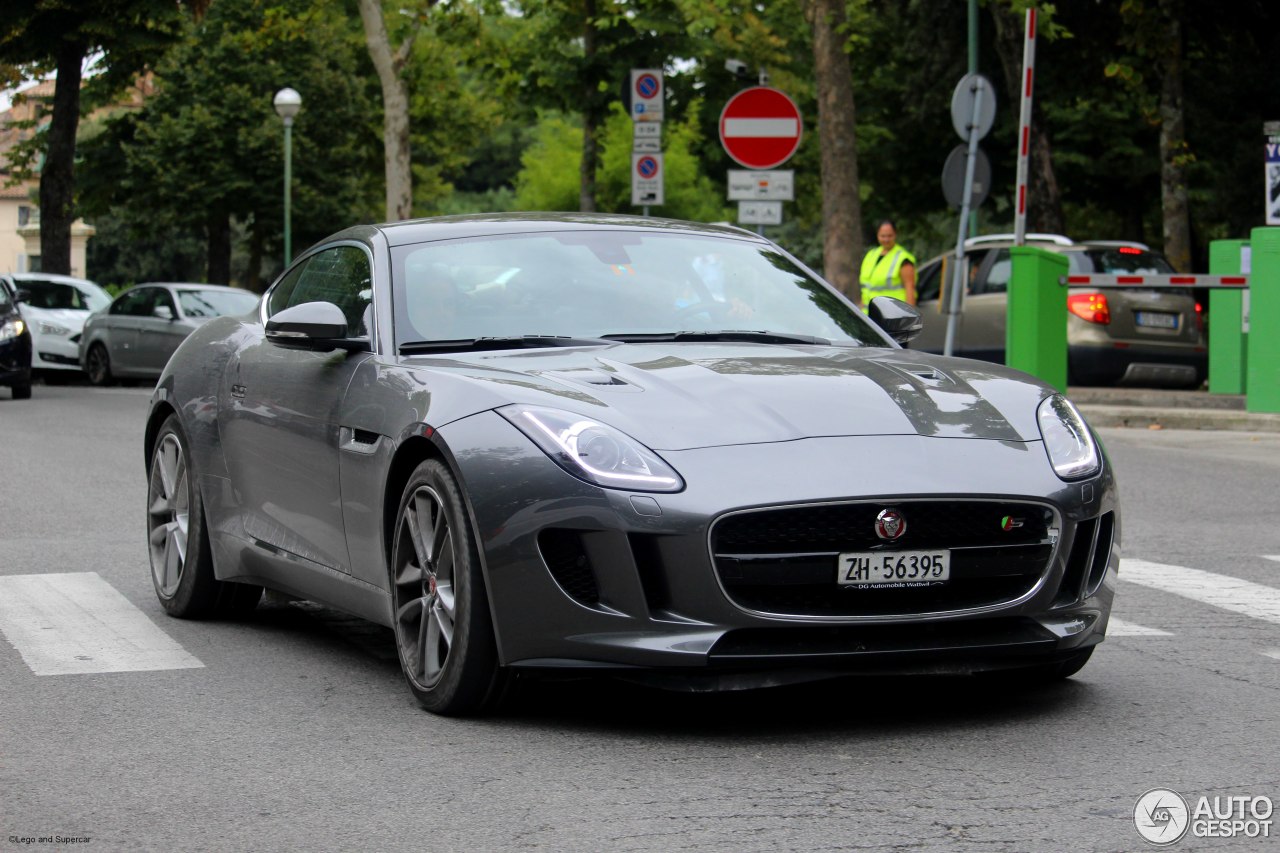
x=1024 y=131
x=1233 y=282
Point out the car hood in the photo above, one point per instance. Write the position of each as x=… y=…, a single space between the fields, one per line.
x=71 y=318
x=681 y=396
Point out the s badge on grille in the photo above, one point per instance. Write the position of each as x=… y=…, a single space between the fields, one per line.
x=890 y=524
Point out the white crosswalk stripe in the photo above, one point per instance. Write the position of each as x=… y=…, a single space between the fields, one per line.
x=1275 y=557
x=1229 y=593
x=76 y=623
x=1122 y=628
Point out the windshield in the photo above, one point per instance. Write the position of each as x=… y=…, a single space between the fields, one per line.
x=1124 y=260
x=56 y=295
x=215 y=303
x=587 y=284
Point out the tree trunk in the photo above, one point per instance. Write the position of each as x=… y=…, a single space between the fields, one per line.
x=842 y=243
x=1175 y=154
x=57 y=178
x=1044 y=199
x=590 y=116
x=395 y=109
x=255 y=282
x=218 y=234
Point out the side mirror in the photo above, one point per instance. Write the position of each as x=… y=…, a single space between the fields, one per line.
x=23 y=295
x=314 y=326
x=164 y=312
x=901 y=321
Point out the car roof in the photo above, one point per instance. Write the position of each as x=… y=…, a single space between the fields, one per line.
x=51 y=277
x=491 y=224
x=1053 y=242
x=191 y=285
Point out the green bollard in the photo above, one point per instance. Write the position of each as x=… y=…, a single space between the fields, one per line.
x=1262 y=380
x=1228 y=351
x=1036 y=332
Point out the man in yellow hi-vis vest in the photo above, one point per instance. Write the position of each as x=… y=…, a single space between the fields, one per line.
x=889 y=269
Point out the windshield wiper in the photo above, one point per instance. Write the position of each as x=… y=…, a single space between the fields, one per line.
x=728 y=335
x=499 y=343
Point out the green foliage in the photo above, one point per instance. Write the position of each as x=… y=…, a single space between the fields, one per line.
x=548 y=179
x=208 y=144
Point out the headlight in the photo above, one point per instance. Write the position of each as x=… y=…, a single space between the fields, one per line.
x=1067 y=440
x=10 y=329
x=53 y=329
x=593 y=451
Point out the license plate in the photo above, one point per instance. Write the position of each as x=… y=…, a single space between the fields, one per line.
x=893 y=568
x=1157 y=320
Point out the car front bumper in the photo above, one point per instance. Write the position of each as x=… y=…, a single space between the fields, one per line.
x=631 y=582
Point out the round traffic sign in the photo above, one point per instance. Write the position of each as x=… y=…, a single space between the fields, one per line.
x=760 y=127
x=647 y=167
x=953 y=177
x=647 y=86
x=963 y=101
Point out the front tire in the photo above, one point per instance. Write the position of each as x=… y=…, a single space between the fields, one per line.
x=178 y=544
x=443 y=629
x=98 y=366
x=21 y=392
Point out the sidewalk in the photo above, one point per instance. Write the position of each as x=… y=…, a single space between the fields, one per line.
x=1150 y=408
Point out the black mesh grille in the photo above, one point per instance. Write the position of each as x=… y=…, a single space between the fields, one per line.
x=564 y=555
x=784 y=560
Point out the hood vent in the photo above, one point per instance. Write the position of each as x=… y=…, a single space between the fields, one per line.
x=591 y=376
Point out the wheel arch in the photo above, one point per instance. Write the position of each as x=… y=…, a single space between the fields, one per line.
x=159 y=414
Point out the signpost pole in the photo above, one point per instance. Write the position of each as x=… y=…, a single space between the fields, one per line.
x=957 y=278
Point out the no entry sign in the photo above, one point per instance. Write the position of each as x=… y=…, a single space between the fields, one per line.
x=760 y=127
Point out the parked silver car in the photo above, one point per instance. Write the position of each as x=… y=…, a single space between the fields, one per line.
x=134 y=337
x=1126 y=335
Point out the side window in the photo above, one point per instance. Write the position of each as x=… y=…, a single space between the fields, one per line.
x=998 y=274
x=5 y=304
x=929 y=283
x=162 y=299
x=135 y=303
x=279 y=298
x=340 y=275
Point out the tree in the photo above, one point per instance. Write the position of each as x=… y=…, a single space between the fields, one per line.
x=841 y=207
x=42 y=35
x=390 y=66
x=1044 y=198
x=574 y=56
x=203 y=152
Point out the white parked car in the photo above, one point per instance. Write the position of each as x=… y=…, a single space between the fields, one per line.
x=55 y=308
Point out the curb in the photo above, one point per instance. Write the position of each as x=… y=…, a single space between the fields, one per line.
x=1136 y=417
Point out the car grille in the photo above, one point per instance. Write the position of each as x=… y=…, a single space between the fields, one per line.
x=783 y=560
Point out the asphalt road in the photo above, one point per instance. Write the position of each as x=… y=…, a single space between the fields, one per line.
x=297 y=732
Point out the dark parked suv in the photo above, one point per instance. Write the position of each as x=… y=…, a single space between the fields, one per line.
x=1117 y=335
x=15 y=345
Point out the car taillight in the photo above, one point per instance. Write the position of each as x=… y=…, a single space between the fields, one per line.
x=1199 y=317
x=1090 y=306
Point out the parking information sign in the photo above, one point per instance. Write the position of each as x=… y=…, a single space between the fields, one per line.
x=647 y=138
x=777 y=185
x=760 y=212
x=646 y=179
x=646 y=94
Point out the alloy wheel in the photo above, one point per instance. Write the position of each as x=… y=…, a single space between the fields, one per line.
x=168 y=514
x=426 y=607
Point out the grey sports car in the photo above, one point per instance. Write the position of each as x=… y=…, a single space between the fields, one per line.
x=655 y=449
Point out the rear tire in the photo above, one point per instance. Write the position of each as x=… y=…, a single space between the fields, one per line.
x=98 y=366
x=444 y=632
x=178 y=544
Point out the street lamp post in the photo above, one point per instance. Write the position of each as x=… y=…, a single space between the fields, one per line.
x=287 y=103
